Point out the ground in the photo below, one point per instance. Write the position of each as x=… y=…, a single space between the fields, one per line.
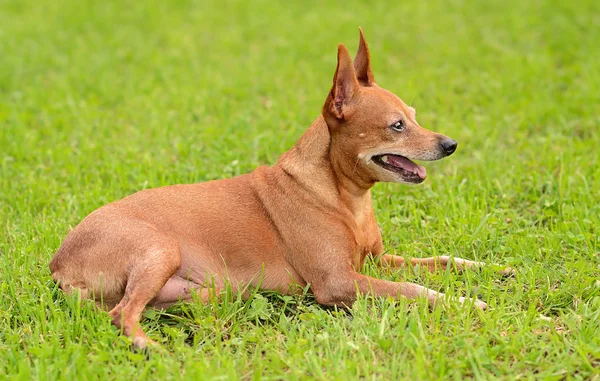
x=102 y=99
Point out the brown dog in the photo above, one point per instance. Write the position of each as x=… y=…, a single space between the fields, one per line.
x=308 y=220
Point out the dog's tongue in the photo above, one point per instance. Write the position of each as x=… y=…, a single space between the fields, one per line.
x=407 y=165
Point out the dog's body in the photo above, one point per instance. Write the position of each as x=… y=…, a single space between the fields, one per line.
x=308 y=220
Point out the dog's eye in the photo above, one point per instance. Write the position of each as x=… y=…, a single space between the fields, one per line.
x=398 y=126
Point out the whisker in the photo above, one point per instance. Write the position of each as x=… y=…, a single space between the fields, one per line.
x=355 y=164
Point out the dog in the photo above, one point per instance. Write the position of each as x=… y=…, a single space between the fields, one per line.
x=306 y=222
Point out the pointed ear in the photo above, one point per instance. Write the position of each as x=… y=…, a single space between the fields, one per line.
x=345 y=84
x=362 y=62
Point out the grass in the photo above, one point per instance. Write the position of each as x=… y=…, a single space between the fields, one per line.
x=101 y=99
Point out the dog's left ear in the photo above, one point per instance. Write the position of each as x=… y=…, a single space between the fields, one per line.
x=362 y=62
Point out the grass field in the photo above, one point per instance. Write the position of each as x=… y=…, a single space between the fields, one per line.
x=102 y=99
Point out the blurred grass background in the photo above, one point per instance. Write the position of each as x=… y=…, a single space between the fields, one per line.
x=101 y=99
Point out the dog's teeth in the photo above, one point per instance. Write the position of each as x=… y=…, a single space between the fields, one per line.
x=384 y=159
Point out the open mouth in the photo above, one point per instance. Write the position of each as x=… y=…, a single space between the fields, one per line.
x=409 y=171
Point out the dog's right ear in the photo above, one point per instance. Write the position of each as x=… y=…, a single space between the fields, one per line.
x=345 y=85
x=362 y=62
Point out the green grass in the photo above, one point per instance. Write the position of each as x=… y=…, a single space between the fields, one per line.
x=99 y=99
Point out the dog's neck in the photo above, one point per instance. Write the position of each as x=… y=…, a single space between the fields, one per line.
x=311 y=164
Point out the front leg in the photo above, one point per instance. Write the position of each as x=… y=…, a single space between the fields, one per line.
x=431 y=263
x=342 y=290
x=436 y=263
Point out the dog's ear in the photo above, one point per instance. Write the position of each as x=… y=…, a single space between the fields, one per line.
x=362 y=62
x=345 y=85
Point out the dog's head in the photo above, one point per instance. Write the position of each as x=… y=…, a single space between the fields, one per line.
x=375 y=135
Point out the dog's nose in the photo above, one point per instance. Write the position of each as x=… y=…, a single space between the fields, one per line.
x=449 y=146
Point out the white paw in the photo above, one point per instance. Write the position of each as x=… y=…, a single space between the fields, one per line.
x=463 y=264
x=508 y=271
x=476 y=302
x=140 y=343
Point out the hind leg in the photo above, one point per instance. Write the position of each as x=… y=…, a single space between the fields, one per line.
x=145 y=280
x=179 y=289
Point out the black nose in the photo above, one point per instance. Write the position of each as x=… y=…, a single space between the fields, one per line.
x=449 y=146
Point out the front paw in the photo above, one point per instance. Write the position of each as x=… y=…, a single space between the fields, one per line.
x=508 y=271
x=476 y=303
x=460 y=264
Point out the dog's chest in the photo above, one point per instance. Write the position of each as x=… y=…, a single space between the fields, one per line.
x=363 y=244
x=363 y=233
x=359 y=256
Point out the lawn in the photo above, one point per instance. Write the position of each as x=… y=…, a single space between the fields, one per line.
x=100 y=99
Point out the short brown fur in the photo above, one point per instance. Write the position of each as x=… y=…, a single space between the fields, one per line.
x=308 y=220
